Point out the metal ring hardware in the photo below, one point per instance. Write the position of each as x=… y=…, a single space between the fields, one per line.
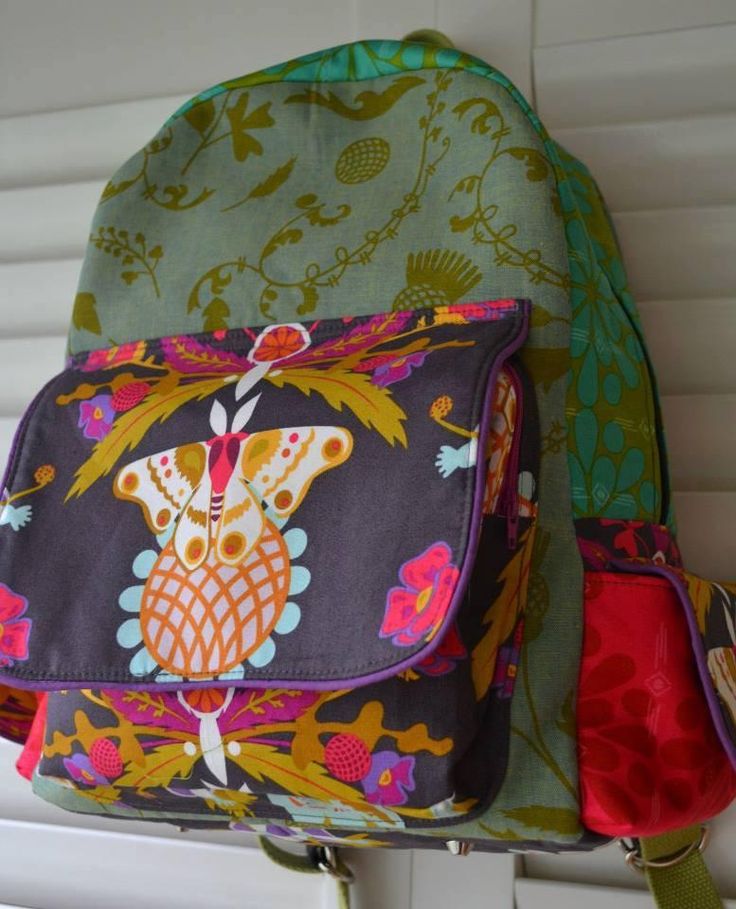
x=326 y=859
x=634 y=859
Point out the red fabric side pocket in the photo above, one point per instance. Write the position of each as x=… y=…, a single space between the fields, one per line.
x=650 y=759
x=31 y=754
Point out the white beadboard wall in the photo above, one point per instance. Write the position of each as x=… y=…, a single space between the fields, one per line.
x=644 y=91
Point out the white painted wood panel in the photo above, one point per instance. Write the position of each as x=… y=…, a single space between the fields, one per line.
x=679 y=252
x=691 y=343
x=485 y=881
x=532 y=894
x=565 y=21
x=49 y=867
x=47 y=222
x=706 y=522
x=498 y=31
x=701 y=439
x=647 y=77
x=663 y=164
x=36 y=297
x=76 y=145
x=95 y=52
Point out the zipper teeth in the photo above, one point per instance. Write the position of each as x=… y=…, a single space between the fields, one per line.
x=508 y=498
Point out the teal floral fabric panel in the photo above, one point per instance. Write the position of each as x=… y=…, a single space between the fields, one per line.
x=616 y=448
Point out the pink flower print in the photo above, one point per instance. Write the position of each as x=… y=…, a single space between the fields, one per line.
x=415 y=612
x=14 y=630
x=96 y=416
x=108 y=357
x=389 y=779
x=445 y=656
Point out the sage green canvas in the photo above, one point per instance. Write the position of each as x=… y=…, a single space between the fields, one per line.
x=388 y=174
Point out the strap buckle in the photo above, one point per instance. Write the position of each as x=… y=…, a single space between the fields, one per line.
x=634 y=858
x=327 y=860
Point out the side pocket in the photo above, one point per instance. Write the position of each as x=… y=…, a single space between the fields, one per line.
x=651 y=752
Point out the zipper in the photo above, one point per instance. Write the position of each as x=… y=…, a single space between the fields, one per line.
x=508 y=500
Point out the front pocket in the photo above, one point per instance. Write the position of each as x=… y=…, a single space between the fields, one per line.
x=366 y=690
x=651 y=753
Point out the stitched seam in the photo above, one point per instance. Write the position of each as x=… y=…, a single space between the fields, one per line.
x=236 y=341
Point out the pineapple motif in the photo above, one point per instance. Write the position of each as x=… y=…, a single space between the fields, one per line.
x=207 y=621
x=220 y=585
x=436 y=277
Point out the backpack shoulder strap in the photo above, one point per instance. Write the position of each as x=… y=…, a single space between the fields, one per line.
x=676 y=871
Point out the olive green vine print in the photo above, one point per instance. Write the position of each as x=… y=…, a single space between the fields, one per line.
x=268 y=186
x=208 y=293
x=174 y=194
x=84 y=314
x=243 y=121
x=367 y=105
x=132 y=253
x=489 y=121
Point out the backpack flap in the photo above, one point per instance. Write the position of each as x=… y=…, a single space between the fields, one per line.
x=278 y=510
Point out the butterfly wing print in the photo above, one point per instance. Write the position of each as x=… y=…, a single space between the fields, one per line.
x=281 y=464
x=241 y=522
x=163 y=484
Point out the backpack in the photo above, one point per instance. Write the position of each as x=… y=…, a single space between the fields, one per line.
x=348 y=521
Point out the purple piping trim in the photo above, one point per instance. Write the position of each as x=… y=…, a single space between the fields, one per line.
x=697 y=643
x=393 y=670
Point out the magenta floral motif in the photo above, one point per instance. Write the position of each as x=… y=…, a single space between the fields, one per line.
x=366 y=334
x=189 y=355
x=96 y=417
x=602 y=540
x=107 y=357
x=416 y=611
x=389 y=779
x=388 y=368
x=247 y=708
x=14 y=630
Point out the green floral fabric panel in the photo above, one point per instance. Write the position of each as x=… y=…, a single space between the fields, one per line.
x=613 y=443
x=262 y=202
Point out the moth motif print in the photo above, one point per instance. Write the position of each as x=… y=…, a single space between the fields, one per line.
x=219 y=586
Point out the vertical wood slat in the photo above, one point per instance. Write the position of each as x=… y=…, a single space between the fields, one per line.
x=71 y=868
x=641 y=78
x=574 y=21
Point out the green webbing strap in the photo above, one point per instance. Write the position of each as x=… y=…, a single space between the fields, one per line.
x=429 y=36
x=676 y=872
x=316 y=861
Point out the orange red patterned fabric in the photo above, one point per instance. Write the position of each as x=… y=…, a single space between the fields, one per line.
x=650 y=759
